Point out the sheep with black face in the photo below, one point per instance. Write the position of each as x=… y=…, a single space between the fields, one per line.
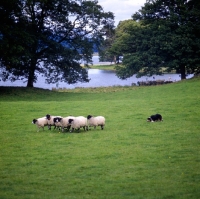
x=50 y=120
x=78 y=122
x=96 y=121
x=57 y=122
x=63 y=122
x=40 y=122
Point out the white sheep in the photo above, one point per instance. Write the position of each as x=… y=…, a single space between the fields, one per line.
x=78 y=122
x=50 y=121
x=64 y=121
x=40 y=122
x=57 y=122
x=96 y=121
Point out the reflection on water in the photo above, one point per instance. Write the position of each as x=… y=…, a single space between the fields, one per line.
x=93 y=71
x=98 y=78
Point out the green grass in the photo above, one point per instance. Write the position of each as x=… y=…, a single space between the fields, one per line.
x=112 y=66
x=130 y=158
x=104 y=67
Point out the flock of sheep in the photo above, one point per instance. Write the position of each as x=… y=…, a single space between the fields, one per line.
x=75 y=123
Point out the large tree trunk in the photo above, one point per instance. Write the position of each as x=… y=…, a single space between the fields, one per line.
x=183 y=72
x=31 y=75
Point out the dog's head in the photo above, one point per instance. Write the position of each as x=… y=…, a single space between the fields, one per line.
x=149 y=119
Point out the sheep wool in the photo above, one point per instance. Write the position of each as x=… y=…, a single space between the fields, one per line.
x=40 y=122
x=96 y=121
x=78 y=122
x=57 y=122
x=50 y=120
x=65 y=122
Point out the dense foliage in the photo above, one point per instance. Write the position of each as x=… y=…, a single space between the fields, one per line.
x=104 y=54
x=162 y=35
x=49 y=37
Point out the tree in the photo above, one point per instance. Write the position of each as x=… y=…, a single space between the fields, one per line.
x=123 y=37
x=168 y=37
x=49 y=37
x=103 y=50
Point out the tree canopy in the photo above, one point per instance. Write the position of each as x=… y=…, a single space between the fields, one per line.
x=49 y=37
x=103 y=52
x=162 y=35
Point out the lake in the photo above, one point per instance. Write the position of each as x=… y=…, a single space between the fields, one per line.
x=98 y=78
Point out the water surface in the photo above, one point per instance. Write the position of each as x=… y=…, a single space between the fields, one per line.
x=98 y=78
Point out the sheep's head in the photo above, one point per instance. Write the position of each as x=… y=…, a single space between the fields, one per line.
x=57 y=119
x=34 y=121
x=70 y=121
x=48 y=116
x=89 y=116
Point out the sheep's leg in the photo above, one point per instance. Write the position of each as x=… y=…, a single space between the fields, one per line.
x=101 y=127
x=39 y=128
x=49 y=127
x=72 y=130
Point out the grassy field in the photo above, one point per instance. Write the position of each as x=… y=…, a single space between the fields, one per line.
x=103 y=67
x=130 y=158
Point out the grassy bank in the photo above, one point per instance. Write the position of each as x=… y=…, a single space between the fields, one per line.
x=104 y=67
x=112 y=66
x=130 y=158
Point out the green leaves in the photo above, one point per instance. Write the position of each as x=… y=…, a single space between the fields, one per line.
x=57 y=33
x=162 y=34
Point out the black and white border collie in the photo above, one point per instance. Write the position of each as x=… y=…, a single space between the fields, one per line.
x=155 y=118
